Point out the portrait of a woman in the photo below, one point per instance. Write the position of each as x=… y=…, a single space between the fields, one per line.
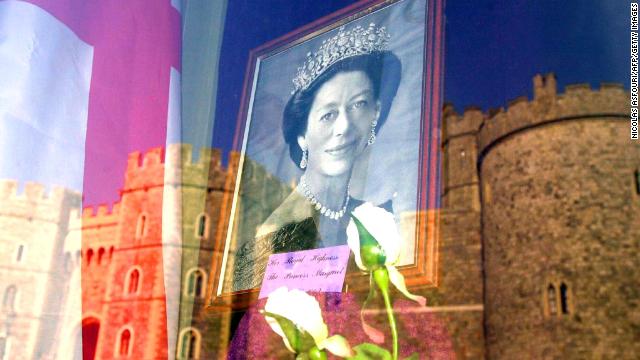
x=340 y=100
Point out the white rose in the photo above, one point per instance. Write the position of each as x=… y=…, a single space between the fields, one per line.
x=304 y=312
x=382 y=226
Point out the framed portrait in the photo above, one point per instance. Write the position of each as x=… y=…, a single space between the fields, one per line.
x=340 y=112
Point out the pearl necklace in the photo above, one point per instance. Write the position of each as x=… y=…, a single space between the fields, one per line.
x=331 y=214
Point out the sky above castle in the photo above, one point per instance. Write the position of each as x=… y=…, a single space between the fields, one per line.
x=42 y=137
x=492 y=48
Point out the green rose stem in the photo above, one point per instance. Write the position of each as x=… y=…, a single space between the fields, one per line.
x=381 y=277
x=374 y=258
x=317 y=354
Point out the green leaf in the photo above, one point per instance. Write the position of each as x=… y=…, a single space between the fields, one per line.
x=300 y=340
x=368 y=351
x=413 y=356
x=337 y=345
x=371 y=253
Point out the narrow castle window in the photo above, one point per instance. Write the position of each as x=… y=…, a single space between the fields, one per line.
x=463 y=160
x=124 y=343
x=189 y=347
x=637 y=181
x=202 y=226
x=3 y=347
x=100 y=255
x=20 y=253
x=110 y=253
x=195 y=283
x=141 y=227
x=564 y=303
x=132 y=281
x=89 y=256
x=9 y=299
x=68 y=265
x=487 y=195
x=551 y=300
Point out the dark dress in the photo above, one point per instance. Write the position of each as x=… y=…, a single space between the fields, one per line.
x=294 y=226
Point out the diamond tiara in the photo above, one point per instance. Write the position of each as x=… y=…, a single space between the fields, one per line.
x=357 y=41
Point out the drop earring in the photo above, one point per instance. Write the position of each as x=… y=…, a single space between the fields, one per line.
x=303 y=161
x=372 y=137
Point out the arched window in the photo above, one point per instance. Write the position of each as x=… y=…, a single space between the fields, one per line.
x=141 y=227
x=88 y=339
x=202 y=226
x=100 y=255
x=125 y=343
x=132 y=281
x=189 y=344
x=110 y=253
x=89 y=256
x=564 y=302
x=195 y=283
x=9 y=298
x=551 y=300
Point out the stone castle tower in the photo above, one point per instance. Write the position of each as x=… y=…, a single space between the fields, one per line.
x=158 y=243
x=552 y=187
x=38 y=259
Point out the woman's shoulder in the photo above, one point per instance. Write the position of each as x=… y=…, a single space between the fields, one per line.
x=294 y=209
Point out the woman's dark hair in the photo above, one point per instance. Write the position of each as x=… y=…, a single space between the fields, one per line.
x=381 y=68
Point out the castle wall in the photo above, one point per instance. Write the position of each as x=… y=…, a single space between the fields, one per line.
x=69 y=333
x=171 y=193
x=201 y=193
x=99 y=243
x=560 y=207
x=139 y=247
x=31 y=255
x=459 y=249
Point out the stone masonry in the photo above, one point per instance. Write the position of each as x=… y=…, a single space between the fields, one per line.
x=560 y=220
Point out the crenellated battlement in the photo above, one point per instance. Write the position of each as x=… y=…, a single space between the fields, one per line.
x=90 y=216
x=33 y=192
x=34 y=202
x=175 y=166
x=577 y=101
x=102 y=210
x=8 y=189
x=181 y=154
x=467 y=123
x=544 y=86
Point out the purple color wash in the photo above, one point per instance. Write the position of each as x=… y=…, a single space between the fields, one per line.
x=421 y=332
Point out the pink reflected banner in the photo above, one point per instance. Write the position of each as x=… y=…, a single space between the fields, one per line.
x=136 y=44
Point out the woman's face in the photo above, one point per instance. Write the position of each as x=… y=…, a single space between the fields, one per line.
x=339 y=123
